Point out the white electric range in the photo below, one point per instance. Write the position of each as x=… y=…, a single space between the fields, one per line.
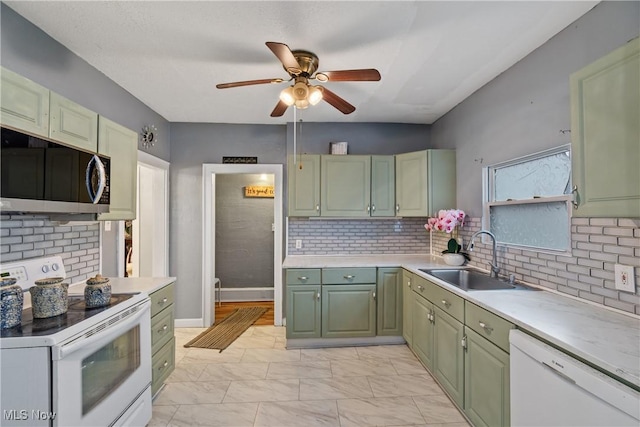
x=86 y=367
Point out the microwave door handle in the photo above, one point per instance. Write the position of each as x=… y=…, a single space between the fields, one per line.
x=95 y=164
x=103 y=336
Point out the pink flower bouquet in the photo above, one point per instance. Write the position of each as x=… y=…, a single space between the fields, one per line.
x=447 y=221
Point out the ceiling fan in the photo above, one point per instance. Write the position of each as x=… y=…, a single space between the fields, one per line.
x=301 y=65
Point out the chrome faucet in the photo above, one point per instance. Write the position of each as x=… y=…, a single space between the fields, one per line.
x=494 y=265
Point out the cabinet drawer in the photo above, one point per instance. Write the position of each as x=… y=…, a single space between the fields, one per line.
x=492 y=327
x=345 y=276
x=303 y=276
x=448 y=302
x=423 y=287
x=161 y=298
x=162 y=364
x=161 y=329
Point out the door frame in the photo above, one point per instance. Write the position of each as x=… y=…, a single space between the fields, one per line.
x=209 y=171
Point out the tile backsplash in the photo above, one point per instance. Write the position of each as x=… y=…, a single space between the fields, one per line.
x=597 y=245
x=35 y=236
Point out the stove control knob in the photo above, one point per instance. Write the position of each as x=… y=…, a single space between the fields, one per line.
x=45 y=268
x=55 y=267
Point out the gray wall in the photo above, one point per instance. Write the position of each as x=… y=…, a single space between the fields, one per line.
x=193 y=144
x=523 y=110
x=244 y=238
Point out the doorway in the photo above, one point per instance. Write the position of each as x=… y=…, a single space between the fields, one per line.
x=147 y=251
x=209 y=233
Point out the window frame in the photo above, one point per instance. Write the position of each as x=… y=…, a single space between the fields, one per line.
x=488 y=196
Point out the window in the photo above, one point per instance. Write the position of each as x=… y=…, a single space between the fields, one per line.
x=528 y=201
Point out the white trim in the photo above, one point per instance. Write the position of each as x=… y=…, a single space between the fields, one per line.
x=156 y=162
x=188 y=323
x=208 y=231
x=247 y=294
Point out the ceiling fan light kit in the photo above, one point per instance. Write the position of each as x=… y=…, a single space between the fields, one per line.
x=301 y=66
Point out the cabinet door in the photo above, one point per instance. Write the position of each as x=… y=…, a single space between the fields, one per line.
x=346 y=186
x=422 y=336
x=486 y=388
x=121 y=145
x=441 y=171
x=389 y=300
x=448 y=356
x=72 y=124
x=304 y=185
x=605 y=130
x=411 y=184
x=348 y=311
x=303 y=311
x=383 y=186
x=407 y=307
x=24 y=104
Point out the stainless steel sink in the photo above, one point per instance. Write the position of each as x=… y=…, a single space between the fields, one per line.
x=473 y=280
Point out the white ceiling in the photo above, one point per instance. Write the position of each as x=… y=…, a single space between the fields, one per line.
x=171 y=54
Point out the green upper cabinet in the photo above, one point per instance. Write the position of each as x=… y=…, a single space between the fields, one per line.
x=425 y=182
x=72 y=124
x=383 y=186
x=121 y=145
x=389 y=298
x=304 y=185
x=605 y=134
x=24 y=104
x=345 y=189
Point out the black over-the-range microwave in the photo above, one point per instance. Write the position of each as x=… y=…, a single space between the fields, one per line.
x=38 y=175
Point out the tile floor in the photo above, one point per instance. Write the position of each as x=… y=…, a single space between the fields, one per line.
x=257 y=382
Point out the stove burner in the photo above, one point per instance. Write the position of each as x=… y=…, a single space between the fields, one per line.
x=76 y=313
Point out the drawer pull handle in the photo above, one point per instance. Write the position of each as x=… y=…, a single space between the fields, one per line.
x=164 y=328
x=163 y=301
x=303 y=278
x=446 y=303
x=349 y=276
x=485 y=327
x=164 y=365
x=420 y=288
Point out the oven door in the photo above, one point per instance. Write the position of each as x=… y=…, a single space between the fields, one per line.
x=97 y=377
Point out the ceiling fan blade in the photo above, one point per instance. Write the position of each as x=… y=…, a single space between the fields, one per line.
x=285 y=56
x=248 y=83
x=364 y=75
x=337 y=101
x=279 y=110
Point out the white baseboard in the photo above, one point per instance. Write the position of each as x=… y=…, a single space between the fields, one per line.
x=246 y=294
x=189 y=323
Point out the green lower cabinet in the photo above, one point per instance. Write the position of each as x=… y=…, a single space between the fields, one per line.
x=448 y=354
x=348 y=311
x=303 y=311
x=423 y=330
x=389 y=299
x=486 y=396
x=407 y=307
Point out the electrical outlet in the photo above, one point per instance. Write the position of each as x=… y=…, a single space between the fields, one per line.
x=107 y=226
x=298 y=244
x=625 y=278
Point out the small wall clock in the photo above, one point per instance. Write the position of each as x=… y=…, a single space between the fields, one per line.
x=149 y=136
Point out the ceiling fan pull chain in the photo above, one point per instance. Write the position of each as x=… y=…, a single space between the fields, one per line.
x=300 y=151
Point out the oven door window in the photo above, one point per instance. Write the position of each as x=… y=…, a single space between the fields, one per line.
x=104 y=370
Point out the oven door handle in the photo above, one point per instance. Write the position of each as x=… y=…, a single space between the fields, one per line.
x=101 y=336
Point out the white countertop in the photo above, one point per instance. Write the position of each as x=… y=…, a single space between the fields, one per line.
x=603 y=337
x=123 y=285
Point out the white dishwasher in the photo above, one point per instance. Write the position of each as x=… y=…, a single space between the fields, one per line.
x=551 y=388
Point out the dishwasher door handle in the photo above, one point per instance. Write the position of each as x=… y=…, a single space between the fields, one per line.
x=560 y=374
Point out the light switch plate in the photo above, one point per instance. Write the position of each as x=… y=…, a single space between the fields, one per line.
x=625 y=278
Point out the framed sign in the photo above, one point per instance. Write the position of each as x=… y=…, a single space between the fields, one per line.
x=246 y=160
x=258 y=191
